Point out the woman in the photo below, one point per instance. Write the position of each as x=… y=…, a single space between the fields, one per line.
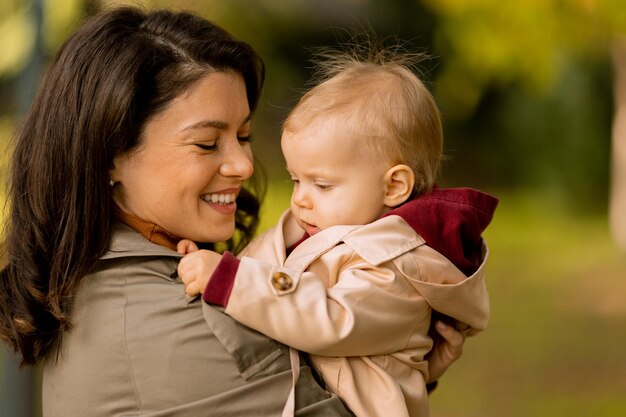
x=138 y=137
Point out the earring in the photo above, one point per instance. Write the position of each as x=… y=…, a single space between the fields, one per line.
x=111 y=182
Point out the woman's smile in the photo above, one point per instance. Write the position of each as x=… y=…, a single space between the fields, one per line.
x=223 y=201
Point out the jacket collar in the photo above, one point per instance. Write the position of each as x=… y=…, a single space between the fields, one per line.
x=392 y=238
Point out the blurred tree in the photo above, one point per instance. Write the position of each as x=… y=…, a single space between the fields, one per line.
x=617 y=207
x=18 y=386
x=16 y=30
x=31 y=30
x=534 y=42
x=19 y=30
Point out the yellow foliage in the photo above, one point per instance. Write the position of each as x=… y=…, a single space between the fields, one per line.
x=17 y=32
x=521 y=41
x=60 y=17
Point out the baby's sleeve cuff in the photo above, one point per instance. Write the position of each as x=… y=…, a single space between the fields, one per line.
x=217 y=291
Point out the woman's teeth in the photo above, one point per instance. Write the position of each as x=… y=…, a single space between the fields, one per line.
x=219 y=198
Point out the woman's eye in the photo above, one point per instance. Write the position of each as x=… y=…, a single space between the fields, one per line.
x=205 y=147
x=245 y=138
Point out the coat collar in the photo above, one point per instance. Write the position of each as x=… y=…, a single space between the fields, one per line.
x=151 y=231
x=127 y=242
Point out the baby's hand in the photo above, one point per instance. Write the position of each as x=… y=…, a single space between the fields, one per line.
x=186 y=246
x=196 y=268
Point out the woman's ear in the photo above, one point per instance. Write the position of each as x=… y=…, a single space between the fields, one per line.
x=399 y=182
x=118 y=166
x=113 y=174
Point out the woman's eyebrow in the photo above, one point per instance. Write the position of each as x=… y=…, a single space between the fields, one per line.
x=206 y=124
x=217 y=124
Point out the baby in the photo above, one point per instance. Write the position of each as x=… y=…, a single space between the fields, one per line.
x=369 y=248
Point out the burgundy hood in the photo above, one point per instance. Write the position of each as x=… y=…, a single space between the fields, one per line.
x=451 y=221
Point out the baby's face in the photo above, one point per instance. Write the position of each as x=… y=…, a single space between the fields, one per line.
x=337 y=181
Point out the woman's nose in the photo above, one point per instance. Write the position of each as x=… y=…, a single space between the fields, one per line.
x=237 y=161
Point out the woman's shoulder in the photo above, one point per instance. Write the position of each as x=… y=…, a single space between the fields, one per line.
x=130 y=259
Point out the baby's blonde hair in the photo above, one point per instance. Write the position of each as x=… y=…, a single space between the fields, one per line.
x=382 y=102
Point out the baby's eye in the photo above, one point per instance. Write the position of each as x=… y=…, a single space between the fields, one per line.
x=294 y=180
x=323 y=186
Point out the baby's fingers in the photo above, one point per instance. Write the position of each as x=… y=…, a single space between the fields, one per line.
x=193 y=288
x=186 y=246
x=185 y=271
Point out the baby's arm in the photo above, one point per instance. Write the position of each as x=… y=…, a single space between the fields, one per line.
x=376 y=304
x=297 y=309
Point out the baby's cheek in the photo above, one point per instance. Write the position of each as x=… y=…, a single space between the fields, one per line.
x=335 y=216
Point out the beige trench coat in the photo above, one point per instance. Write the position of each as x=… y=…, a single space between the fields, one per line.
x=359 y=298
x=141 y=348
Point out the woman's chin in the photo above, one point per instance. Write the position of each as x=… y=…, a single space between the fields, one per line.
x=216 y=235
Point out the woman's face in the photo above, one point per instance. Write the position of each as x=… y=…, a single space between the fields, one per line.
x=192 y=161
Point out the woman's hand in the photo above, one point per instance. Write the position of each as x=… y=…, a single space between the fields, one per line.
x=447 y=348
x=196 y=267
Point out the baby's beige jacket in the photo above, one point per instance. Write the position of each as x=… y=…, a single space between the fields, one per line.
x=359 y=299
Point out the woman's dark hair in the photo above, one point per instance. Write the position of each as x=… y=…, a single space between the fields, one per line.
x=118 y=70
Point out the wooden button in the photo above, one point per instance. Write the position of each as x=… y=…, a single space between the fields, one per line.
x=282 y=281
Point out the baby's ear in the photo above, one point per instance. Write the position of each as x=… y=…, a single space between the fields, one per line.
x=399 y=182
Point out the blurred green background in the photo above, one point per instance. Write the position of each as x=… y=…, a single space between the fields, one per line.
x=528 y=91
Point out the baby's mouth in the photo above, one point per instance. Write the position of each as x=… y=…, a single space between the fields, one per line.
x=310 y=229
